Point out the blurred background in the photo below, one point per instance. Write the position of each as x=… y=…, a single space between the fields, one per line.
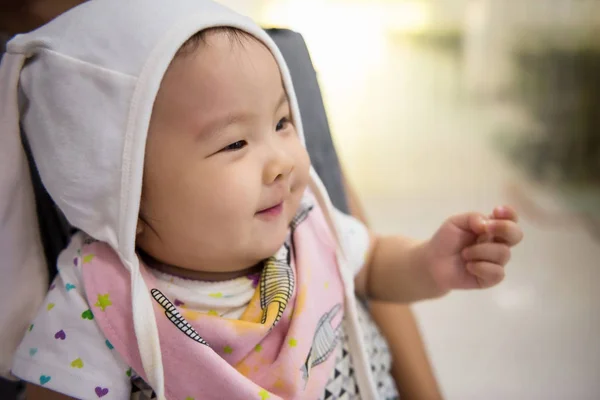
x=443 y=106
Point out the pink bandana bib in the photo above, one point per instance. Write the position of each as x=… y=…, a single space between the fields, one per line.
x=281 y=347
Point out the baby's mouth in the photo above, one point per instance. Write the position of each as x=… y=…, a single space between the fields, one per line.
x=271 y=212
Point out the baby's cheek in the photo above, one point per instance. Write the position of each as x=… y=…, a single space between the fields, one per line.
x=292 y=210
x=302 y=170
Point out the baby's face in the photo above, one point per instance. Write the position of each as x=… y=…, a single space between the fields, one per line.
x=221 y=150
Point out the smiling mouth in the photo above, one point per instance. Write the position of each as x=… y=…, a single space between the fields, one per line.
x=271 y=211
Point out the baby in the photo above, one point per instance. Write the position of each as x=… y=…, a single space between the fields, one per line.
x=210 y=263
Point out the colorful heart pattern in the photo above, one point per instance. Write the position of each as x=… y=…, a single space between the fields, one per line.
x=70 y=286
x=60 y=335
x=77 y=363
x=87 y=314
x=101 y=392
x=33 y=351
x=44 y=379
x=109 y=345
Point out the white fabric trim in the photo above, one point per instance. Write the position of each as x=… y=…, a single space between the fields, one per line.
x=364 y=377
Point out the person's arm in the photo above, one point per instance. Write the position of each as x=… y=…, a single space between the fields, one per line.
x=34 y=392
x=19 y=16
x=411 y=368
x=468 y=251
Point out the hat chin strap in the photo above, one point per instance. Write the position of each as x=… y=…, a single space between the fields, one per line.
x=146 y=330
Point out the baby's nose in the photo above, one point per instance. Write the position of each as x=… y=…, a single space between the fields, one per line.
x=278 y=168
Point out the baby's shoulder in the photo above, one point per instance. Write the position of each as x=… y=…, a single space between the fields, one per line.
x=64 y=349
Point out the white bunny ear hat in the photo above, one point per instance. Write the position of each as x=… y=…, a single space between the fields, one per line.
x=23 y=270
x=82 y=89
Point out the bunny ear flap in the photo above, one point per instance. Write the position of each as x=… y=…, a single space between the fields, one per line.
x=23 y=269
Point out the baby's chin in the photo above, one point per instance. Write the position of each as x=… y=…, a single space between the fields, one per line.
x=271 y=245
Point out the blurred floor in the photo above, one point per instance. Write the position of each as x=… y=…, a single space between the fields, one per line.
x=418 y=151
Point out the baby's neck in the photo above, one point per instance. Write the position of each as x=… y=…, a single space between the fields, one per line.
x=203 y=275
x=197 y=275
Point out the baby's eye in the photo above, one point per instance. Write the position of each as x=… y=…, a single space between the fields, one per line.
x=240 y=144
x=282 y=124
